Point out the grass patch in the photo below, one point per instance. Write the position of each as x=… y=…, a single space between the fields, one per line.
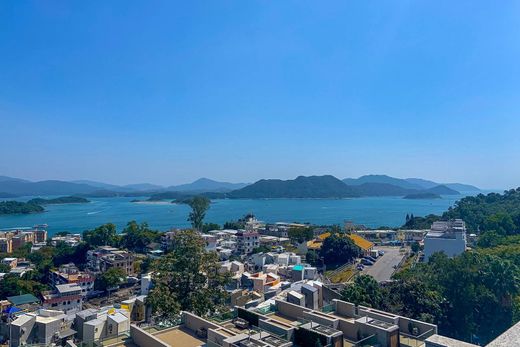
x=342 y=276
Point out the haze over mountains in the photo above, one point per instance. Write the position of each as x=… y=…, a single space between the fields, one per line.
x=326 y=186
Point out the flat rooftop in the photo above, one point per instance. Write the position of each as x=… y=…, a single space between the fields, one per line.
x=282 y=318
x=180 y=337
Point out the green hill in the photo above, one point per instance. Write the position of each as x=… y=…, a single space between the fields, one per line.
x=302 y=187
x=382 y=179
x=442 y=190
x=381 y=189
x=60 y=200
x=17 y=207
x=419 y=196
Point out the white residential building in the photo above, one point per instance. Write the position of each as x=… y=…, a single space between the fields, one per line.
x=448 y=237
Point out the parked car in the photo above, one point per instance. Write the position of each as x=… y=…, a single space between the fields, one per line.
x=370 y=258
x=381 y=253
x=360 y=267
x=365 y=261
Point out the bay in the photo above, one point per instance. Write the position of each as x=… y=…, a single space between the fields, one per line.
x=370 y=211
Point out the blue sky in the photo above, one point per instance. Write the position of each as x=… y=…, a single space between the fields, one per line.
x=166 y=92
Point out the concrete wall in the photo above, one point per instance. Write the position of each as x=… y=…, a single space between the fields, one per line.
x=349 y=329
x=422 y=326
x=382 y=335
x=344 y=308
x=290 y=310
x=194 y=322
x=451 y=247
x=17 y=337
x=329 y=295
x=321 y=319
x=277 y=328
x=144 y=339
x=379 y=315
x=90 y=334
x=216 y=337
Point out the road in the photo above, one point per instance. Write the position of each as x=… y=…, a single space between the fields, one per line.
x=383 y=269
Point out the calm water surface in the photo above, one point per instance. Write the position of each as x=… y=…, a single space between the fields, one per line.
x=373 y=212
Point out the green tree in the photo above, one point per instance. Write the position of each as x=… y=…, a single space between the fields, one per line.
x=338 y=249
x=500 y=222
x=199 y=205
x=12 y=285
x=413 y=298
x=4 y=268
x=188 y=279
x=137 y=237
x=261 y=249
x=416 y=247
x=109 y=279
x=363 y=291
x=300 y=234
x=489 y=239
x=478 y=292
x=312 y=257
x=210 y=226
x=104 y=235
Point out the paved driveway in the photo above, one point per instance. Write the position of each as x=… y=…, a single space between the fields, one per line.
x=383 y=269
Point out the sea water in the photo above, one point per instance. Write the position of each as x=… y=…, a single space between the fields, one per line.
x=370 y=211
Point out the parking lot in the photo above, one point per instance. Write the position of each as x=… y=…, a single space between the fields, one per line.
x=383 y=268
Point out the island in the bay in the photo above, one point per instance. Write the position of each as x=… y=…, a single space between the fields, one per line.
x=424 y=196
x=60 y=200
x=36 y=205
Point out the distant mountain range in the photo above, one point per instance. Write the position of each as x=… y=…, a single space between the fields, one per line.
x=13 y=187
x=206 y=185
x=330 y=187
x=302 y=187
x=409 y=183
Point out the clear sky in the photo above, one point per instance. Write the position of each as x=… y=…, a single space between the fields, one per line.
x=167 y=92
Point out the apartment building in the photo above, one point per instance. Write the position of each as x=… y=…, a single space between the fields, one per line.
x=11 y=240
x=247 y=241
x=106 y=257
x=70 y=274
x=445 y=236
x=65 y=297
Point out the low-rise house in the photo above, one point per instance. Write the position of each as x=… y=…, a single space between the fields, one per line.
x=22 y=267
x=42 y=327
x=106 y=257
x=224 y=253
x=24 y=302
x=273 y=241
x=70 y=239
x=211 y=242
x=363 y=244
x=66 y=297
x=106 y=325
x=245 y=298
x=69 y=274
x=11 y=262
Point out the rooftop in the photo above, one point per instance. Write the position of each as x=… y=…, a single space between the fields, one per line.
x=22 y=299
x=361 y=242
x=444 y=341
x=180 y=337
x=509 y=338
